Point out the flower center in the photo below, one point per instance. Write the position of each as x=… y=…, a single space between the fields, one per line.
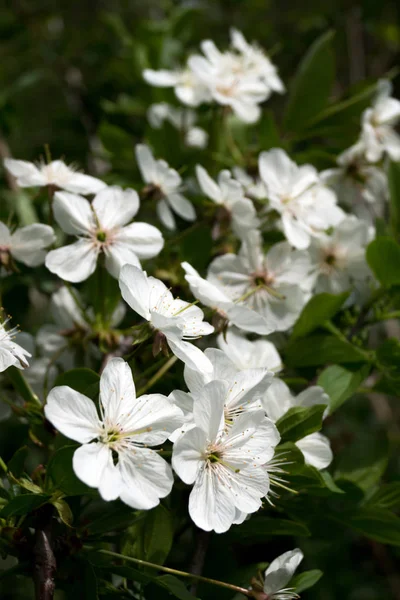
x=101 y=236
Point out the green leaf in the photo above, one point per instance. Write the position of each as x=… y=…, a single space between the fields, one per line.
x=116 y=141
x=60 y=474
x=175 y=586
x=383 y=256
x=300 y=421
x=113 y=516
x=319 y=308
x=259 y=528
x=320 y=349
x=82 y=380
x=158 y=534
x=304 y=581
x=388 y=355
x=387 y=496
x=394 y=188
x=364 y=461
x=376 y=523
x=340 y=383
x=64 y=511
x=23 y=504
x=16 y=464
x=307 y=98
x=268 y=131
x=196 y=248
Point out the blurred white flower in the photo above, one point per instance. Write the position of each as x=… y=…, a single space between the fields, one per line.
x=27 y=244
x=278 y=399
x=361 y=187
x=275 y=285
x=306 y=206
x=102 y=229
x=279 y=573
x=338 y=260
x=56 y=173
x=11 y=354
x=378 y=135
x=229 y=81
x=182 y=119
x=226 y=468
x=246 y=354
x=213 y=296
x=253 y=187
x=228 y=194
x=256 y=62
x=189 y=89
x=174 y=320
x=164 y=184
x=41 y=368
x=127 y=426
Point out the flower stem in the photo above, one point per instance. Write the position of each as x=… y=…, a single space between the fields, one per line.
x=157 y=375
x=145 y=563
x=22 y=386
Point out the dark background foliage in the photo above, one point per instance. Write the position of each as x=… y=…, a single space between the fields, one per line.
x=70 y=77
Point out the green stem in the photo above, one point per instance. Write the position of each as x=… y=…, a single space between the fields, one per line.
x=157 y=375
x=145 y=563
x=22 y=386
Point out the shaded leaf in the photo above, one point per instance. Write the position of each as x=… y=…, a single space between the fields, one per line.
x=340 y=383
x=319 y=308
x=383 y=256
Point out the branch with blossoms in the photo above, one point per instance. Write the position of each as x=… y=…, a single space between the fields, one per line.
x=190 y=336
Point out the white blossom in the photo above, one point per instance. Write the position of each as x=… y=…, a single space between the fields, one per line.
x=378 y=135
x=279 y=573
x=271 y=285
x=27 y=244
x=306 y=206
x=256 y=62
x=278 y=399
x=253 y=186
x=225 y=467
x=174 y=321
x=11 y=354
x=102 y=229
x=213 y=296
x=339 y=262
x=360 y=186
x=246 y=354
x=127 y=426
x=229 y=81
x=55 y=173
x=189 y=89
x=165 y=185
x=228 y=193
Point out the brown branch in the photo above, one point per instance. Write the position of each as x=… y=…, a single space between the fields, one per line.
x=199 y=557
x=44 y=559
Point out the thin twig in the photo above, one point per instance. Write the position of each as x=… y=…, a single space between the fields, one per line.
x=199 y=557
x=44 y=560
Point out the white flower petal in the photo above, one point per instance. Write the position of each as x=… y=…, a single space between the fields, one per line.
x=117 y=390
x=75 y=262
x=145 y=240
x=210 y=502
x=281 y=570
x=187 y=456
x=146 y=163
x=73 y=414
x=28 y=244
x=208 y=185
x=26 y=173
x=316 y=449
x=135 y=290
x=79 y=183
x=181 y=206
x=90 y=461
x=189 y=354
x=73 y=213
x=208 y=408
x=115 y=207
x=165 y=214
x=146 y=477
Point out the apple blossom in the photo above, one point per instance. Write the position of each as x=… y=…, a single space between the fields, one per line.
x=246 y=354
x=189 y=89
x=173 y=320
x=164 y=184
x=102 y=229
x=127 y=426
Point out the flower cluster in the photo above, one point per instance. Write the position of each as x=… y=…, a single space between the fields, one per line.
x=240 y=78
